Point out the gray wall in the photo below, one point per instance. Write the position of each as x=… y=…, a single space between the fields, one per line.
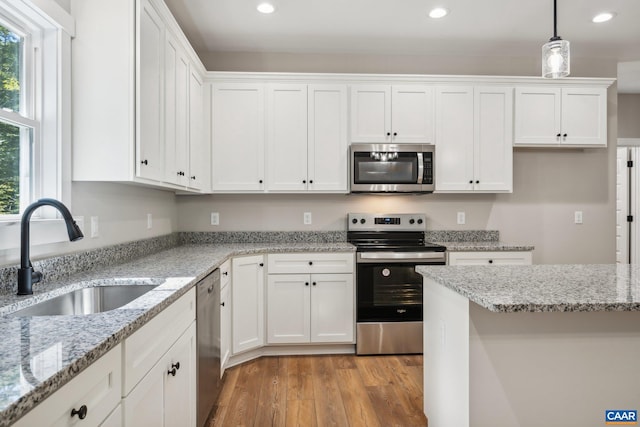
x=549 y=184
x=628 y=115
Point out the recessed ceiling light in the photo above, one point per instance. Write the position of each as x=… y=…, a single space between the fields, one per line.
x=603 y=17
x=266 y=8
x=438 y=12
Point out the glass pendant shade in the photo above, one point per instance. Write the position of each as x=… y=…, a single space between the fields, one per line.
x=555 y=58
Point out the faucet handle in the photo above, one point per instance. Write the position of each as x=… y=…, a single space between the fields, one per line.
x=36 y=277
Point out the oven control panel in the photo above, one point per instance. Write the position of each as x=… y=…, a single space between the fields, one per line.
x=386 y=222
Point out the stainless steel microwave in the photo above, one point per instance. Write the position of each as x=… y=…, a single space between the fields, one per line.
x=392 y=168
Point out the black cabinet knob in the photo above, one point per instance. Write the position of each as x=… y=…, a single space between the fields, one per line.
x=314 y=283
x=174 y=369
x=193 y=177
x=225 y=273
x=477 y=182
x=310 y=181
x=304 y=181
x=260 y=181
x=306 y=283
x=81 y=413
x=565 y=135
x=144 y=162
x=471 y=182
x=558 y=135
x=395 y=134
x=388 y=133
x=261 y=264
x=310 y=262
x=222 y=303
x=490 y=261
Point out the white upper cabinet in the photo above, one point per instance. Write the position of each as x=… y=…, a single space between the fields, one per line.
x=327 y=144
x=238 y=137
x=286 y=137
x=130 y=98
x=392 y=114
x=474 y=139
x=560 y=116
x=198 y=146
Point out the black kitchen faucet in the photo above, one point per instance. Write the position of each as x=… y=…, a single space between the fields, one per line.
x=26 y=276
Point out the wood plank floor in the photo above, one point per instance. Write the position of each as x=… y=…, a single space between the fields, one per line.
x=321 y=391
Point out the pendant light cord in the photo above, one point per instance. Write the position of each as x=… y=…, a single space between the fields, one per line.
x=555 y=21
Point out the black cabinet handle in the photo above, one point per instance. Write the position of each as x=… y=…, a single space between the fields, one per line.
x=314 y=283
x=470 y=181
x=565 y=135
x=306 y=283
x=144 y=162
x=225 y=273
x=304 y=181
x=260 y=182
x=174 y=369
x=558 y=135
x=210 y=289
x=193 y=177
x=477 y=182
x=388 y=133
x=310 y=181
x=81 y=413
x=395 y=134
x=222 y=303
x=490 y=261
x=261 y=264
x=310 y=262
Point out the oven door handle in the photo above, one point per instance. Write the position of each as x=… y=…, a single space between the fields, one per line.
x=400 y=256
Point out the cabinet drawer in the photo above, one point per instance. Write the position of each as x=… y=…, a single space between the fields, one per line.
x=97 y=387
x=225 y=273
x=489 y=258
x=310 y=263
x=147 y=345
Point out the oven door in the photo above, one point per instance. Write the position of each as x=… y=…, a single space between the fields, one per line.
x=388 y=289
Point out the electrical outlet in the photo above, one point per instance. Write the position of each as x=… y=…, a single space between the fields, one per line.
x=149 y=221
x=306 y=219
x=215 y=218
x=95 y=227
x=577 y=217
x=461 y=218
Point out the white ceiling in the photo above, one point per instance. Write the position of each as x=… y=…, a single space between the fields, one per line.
x=473 y=27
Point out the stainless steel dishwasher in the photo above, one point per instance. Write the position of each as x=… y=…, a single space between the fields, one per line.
x=208 y=332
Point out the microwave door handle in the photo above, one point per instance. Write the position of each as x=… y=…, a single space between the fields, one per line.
x=420 y=168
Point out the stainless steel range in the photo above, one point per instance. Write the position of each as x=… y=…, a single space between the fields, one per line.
x=388 y=289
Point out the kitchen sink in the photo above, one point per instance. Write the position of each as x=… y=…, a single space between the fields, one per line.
x=91 y=300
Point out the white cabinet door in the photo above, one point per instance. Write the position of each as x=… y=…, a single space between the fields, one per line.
x=584 y=116
x=412 y=114
x=288 y=305
x=489 y=258
x=286 y=137
x=97 y=389
x=247 y=295
x=150 y=101
x=115 y=419
x=198 y=176
x=327 y=142
x=225 y=327
x=180 y=385
x=332 y=308
x=176 y=77
x=238 y=137
x=538 y=116
x=493 y=139
x=371 y=113
x=454 y=138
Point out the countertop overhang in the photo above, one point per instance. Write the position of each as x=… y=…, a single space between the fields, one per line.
x=543 y=288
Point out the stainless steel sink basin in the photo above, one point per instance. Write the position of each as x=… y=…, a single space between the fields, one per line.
x=86 y=301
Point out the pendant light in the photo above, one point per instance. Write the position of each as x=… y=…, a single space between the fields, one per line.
x=555 y=53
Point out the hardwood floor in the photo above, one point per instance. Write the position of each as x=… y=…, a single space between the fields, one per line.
x=321 y=391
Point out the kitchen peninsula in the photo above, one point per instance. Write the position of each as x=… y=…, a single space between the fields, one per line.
x=552 y=345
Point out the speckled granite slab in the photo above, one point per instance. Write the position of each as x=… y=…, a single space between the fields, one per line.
x=543 y=288
x=485 y=247
x=65 y=345
x=462 y=236
x=263 y=237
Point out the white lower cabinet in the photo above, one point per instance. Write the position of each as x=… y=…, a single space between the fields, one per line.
x=225 y=315
x=247 y=299
x=159 y=383
x=166 y=395
x=310 y=308
x=89 y=399
x=490 y=258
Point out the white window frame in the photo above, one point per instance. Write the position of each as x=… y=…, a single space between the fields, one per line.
x=48 y=29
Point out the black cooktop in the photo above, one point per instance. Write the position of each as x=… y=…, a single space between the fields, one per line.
x=398 y=241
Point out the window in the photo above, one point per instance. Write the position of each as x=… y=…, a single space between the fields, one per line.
x=35 y=108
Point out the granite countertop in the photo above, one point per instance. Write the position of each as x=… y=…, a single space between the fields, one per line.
x=543 y=288
x=488 y=246
x=40 y=354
